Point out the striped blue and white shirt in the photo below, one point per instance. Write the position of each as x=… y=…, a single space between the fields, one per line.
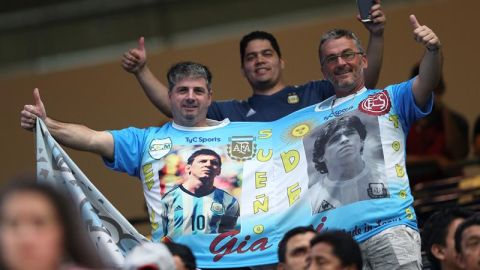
x=185 y=213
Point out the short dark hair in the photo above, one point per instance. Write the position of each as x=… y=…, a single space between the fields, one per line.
x=344 y=247
x=258 y=35
x=206 y=152
x=336 y=34
x=349 y=121
x=188 y=69
x=184 y=252
x=435 y=230
x=469 y=222
x=282 y=246
x=76 y=245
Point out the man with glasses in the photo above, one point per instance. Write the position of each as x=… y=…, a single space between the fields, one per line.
x=386 y=228
x=262 y=65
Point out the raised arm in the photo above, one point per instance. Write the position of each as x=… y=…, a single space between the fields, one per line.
x=375 y=44
x=71 y=135
x=431 y=65
x=135 y=61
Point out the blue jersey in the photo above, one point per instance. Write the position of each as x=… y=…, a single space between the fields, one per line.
x=186 y=213
x=378 y=197
x=280 y=174
x=269 y=108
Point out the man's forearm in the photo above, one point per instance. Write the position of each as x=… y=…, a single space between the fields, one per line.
x=81 y=138
x=375 y=58
x=428 y=76
x=155 y=90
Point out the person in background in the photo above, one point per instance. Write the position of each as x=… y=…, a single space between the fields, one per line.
x=294 y=249
x=467 y=243
x=335 y=250
x=40 y=229
x=182 y=256
x=438 y=237
x=476 y=138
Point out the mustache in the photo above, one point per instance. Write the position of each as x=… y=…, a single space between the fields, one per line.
x=342 y=70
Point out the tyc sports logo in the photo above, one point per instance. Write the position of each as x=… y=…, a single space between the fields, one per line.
x=242 y=148
x=378 y=104
x=159 y=147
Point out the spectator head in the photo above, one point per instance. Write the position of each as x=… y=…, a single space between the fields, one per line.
x=438 y=237
x=467 y=243
x=294 y=248
x=182 y=256
x=335 y=250
x=262 y=62
x=188 y=70
x=40 y=229
x=258 y=35
x=339 y=51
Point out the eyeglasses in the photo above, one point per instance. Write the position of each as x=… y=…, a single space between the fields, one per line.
x=346 y=56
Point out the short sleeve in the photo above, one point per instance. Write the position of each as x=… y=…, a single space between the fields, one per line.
x=128 y=150
x=404 y=103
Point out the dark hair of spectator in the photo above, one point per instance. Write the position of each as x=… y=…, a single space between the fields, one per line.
x=471 y=221
x=344 y=247
x=435 y=230
x=255 y=35
x=282 y=246
x=185 y=70
x=184 y=253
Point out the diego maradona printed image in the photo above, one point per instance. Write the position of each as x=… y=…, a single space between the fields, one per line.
x=345 y=162
x=196 y=205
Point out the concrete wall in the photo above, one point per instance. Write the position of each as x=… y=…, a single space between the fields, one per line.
x=105 y=97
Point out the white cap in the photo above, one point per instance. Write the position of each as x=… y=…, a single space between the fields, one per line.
x=148 y=253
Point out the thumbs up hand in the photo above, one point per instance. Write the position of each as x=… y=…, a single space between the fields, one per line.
x=30 y=112
x=425 y=35
x=135 y=59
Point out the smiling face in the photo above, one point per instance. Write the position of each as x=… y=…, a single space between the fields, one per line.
x=31 y=235
x=345 y=75
x=189 y=101
x=261 y=65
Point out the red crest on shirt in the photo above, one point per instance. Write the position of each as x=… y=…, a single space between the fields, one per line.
x=378 y=104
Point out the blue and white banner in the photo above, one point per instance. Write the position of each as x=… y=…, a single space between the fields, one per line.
x=108 y=229
x=336 y=165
